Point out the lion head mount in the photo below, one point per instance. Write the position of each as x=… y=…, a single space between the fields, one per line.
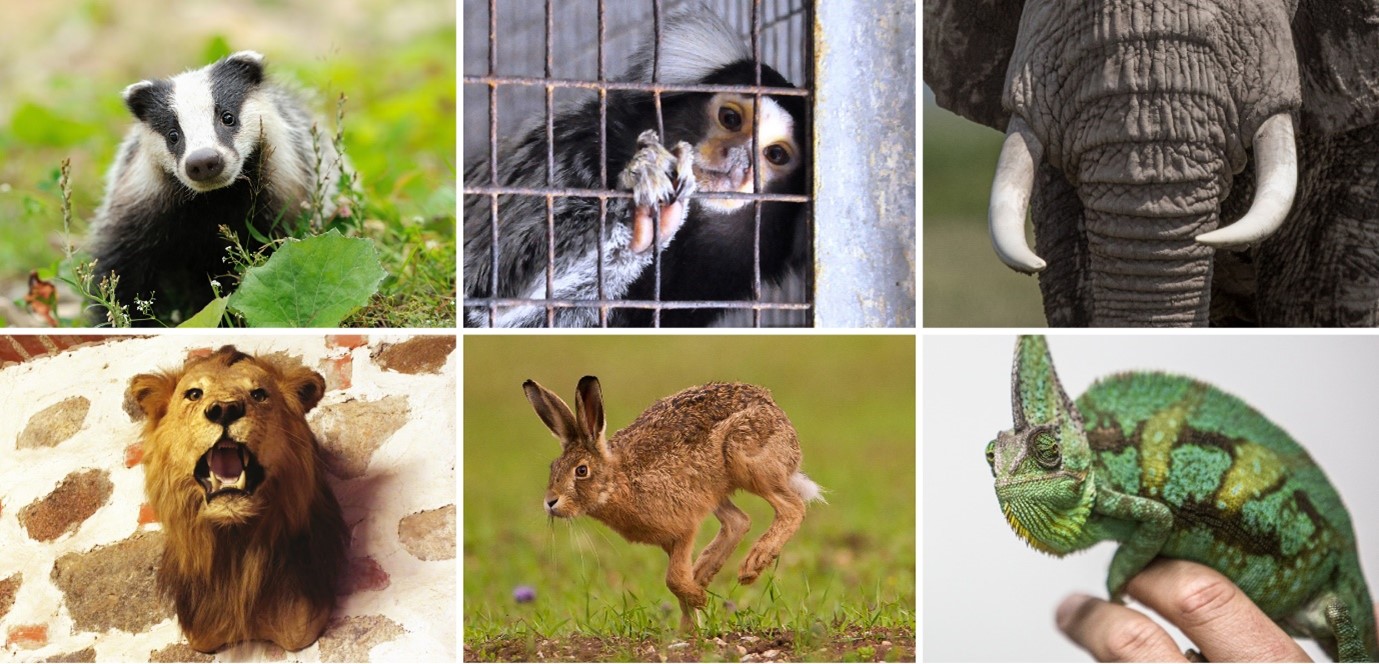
x=255 y=538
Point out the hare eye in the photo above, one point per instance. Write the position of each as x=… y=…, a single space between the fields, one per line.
x=193 y=394
x=582 y=471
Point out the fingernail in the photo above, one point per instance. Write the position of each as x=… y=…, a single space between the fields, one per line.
x=1069 y=608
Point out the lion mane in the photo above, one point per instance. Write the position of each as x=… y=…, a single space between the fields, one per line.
x=254 y=540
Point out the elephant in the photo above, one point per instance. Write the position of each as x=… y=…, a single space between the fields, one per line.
x=1184 y=162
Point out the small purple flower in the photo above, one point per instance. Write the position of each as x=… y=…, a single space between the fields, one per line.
x=524 y=594
x=729 y=606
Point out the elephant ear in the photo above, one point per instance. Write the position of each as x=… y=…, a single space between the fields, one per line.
x=1338 y=53
x=967 y=48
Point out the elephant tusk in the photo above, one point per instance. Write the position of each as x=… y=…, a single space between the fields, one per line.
x=1010 y=194
x=1276 y=181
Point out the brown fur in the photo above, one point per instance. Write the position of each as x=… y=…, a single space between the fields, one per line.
x=262 y=565
x=683 y=458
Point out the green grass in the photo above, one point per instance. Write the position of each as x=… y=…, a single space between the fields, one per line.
x=849 y=570
x=399 y=132
x=965 y=285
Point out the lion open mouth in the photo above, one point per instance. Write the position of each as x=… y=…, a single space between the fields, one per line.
x=228 y=468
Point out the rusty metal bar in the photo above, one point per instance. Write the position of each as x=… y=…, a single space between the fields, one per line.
x=617 y=193
x=493 y=154
x=631 y=85
x=642 y=304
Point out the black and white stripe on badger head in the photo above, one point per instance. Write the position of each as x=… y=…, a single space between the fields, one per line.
x=204 y=124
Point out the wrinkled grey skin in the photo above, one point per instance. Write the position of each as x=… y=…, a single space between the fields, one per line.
x=1147 y=111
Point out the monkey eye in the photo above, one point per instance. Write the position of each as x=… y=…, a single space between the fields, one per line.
x=227 y=118
x=729 y=118
x=777 y=154
x=193 y=394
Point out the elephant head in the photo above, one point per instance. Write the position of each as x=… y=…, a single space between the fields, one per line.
x=1146 y=136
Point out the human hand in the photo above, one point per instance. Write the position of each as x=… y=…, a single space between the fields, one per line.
x=1219 y=618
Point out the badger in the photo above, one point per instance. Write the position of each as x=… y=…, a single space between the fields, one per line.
x=220 y=145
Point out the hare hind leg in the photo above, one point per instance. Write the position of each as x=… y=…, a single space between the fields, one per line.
x=789 y=513
x=735 y=524
x=680 y=580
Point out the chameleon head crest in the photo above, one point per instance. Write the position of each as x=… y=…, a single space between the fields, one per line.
x=1041 y=465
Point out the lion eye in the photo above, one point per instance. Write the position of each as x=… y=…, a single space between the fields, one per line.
x=1047 y=450
x=193 y=394
x=258 y=394
x=582 y=471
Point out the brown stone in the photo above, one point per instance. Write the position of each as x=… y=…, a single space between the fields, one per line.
x=28 y=637
x=8 y=589
x=54 y=424
x=112 y=587
x=429 y=535
x=352 y=431
x=72 y=502
x=366 y=574
x=178 y=652
x=349 y=639
x=424 y=354
x=345 y=340
x=87 y=654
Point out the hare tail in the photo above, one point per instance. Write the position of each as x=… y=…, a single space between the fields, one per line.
x=807 y=488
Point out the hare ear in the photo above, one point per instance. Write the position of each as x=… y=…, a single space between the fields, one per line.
x=589 y=410
x=553 y=412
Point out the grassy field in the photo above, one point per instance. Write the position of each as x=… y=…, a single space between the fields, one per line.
x=965 y=285
x=844 y=586
x=65 y=63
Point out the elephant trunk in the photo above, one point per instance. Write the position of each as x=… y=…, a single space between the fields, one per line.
x=1146 y=267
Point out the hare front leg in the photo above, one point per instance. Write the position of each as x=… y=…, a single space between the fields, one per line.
x=789 y=513
x=680 y=580
x=735 y=525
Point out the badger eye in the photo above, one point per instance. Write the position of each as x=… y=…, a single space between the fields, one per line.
x=729 y=118
x=582 y=471
x=777 y=154
x=174 y=136
x=258 y=394
x=193 y=394
x=227 y=119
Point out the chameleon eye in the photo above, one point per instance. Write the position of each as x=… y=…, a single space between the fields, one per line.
x=1046 y=450
x=991 y=456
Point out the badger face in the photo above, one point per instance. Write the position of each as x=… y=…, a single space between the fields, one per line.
x=202 y=125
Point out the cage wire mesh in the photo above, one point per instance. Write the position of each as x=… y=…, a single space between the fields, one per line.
x=507 y=41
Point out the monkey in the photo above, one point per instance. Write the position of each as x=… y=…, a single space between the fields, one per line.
x=675 y=224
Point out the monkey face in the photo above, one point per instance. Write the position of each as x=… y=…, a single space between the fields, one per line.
x=723 y=158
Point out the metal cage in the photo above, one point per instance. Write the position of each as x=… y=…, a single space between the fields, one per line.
x=522 y=59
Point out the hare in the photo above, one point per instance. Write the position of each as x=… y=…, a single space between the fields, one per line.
x=658 y=479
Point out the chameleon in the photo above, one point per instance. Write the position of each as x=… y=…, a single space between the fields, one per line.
x=1170 y=466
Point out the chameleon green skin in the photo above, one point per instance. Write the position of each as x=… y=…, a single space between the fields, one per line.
x=1172 y=467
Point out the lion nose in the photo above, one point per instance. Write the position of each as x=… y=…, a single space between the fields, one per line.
x=225 y=412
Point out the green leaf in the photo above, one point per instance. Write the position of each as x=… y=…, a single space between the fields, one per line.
x=216 y=48
x=314 y=282
x=39 y=125
x=209 y=316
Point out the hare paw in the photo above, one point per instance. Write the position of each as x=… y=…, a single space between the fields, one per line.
x=661 y=182
x=751 y=567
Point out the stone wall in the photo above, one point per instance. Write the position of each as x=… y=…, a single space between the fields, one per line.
x=79 y=546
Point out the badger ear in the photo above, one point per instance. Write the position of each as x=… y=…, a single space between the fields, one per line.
x=245 y=65
x=142 y=97
x=148 y=395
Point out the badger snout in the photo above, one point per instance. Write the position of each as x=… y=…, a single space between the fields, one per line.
x=205 y=165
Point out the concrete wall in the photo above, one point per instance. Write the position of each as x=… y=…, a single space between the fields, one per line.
x=79 y=547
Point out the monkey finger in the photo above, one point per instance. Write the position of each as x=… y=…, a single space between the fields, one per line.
x=1115 y=633
x=641 y=230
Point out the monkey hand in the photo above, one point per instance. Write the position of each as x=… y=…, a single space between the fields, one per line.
x=661 y=182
